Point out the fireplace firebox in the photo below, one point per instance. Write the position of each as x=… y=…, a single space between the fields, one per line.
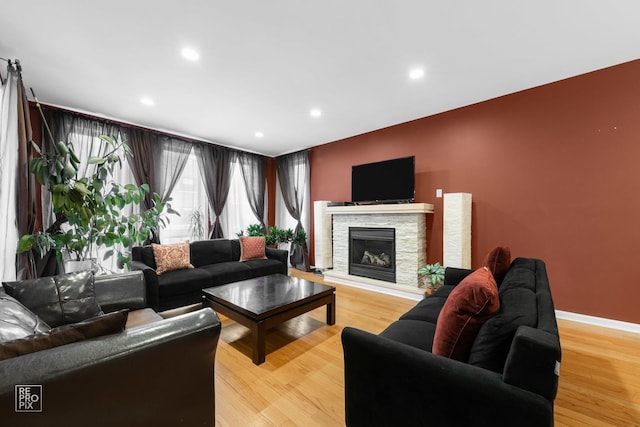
x=372 y=253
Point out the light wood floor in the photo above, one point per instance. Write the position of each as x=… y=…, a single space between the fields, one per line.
x=301 y=383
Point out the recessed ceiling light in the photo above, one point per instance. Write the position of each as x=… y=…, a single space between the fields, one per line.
x=416 y=73
x=315 y=112
x=147 y=101
x=190 y=54
x=259 y=134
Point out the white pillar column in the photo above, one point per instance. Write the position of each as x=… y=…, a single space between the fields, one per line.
x=456 y=234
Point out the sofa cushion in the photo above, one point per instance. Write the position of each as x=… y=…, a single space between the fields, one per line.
x=227 y=272
x=58 y=300
x=205 y=252
x=175 y=256
x=144 y=254
x=429 y=308
x=469 y=305
x=252 y=247
x=498 y=261
x=518 y=306
x=16 y=320
x=263 y=267
x=66 y=334
x=180 y=282
x=522 y=274
x=415 y=333
x=235 y=249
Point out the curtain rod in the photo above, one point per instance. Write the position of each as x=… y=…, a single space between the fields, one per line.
x=137 y=127
x=14 y=62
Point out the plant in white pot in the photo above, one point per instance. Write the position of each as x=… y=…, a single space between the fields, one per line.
x=95 y=211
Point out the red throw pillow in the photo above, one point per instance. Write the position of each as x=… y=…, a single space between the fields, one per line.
x=498 y=262
x=252 y=248
x=473 y=301
x=171 y=257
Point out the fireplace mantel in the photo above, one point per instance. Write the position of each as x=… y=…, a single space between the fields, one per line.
x=398 y=208
x=409 y=221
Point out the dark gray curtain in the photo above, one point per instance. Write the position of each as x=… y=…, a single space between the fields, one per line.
x=147 y=152
x=254 y=172
x=84 y=134
x=25 y=262
x=215 y=168
x=173 y=159
x=293 y=177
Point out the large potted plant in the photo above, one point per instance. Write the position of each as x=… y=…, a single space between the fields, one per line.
x=299 y=253
x=93 y=211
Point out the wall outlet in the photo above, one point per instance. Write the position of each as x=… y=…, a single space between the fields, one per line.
x=439 y=193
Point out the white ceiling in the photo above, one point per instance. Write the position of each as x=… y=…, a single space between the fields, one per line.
x=265 y=64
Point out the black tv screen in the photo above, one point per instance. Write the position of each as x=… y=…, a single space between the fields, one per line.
x=388 y=181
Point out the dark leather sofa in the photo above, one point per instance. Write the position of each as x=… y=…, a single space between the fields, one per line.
x=510 y=378
x=216 y=262
x=159 y=371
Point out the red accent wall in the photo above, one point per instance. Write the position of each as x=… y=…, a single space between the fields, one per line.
x=553 y=172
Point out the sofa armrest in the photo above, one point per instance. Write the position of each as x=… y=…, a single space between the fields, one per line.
x=151 y=283
x=533 y=362
x=280 y=255
x=158 y=374
x=117 y=291
x=387 y=381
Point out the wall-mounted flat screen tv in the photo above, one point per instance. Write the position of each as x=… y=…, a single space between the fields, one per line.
x=389 y=181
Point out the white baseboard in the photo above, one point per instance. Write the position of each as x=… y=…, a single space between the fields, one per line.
x=599 y=321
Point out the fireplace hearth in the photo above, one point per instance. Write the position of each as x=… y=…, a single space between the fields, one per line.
x=372 y=253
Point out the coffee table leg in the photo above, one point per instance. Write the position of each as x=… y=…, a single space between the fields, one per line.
x=258 y=338
x=331 y=311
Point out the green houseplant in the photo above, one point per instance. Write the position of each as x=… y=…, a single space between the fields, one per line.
x=274 y=237
x=299 y=253
x=432 y=276
x=94 y=208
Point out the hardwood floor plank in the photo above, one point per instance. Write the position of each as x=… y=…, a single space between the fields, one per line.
x=301 y=383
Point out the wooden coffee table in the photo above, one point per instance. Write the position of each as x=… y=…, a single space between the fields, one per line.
x=265 y=302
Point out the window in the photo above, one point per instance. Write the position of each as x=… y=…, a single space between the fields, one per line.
x=189 y=199
x=237 y=214
x=86 y=146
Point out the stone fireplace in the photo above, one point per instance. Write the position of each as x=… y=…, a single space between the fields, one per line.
x=404 y=237
x=372 y=253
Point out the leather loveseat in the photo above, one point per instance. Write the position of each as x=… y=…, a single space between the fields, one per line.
x=158 y=371
x=216 y=262
x=510 y=377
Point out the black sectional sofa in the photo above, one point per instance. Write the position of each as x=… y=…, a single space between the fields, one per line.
x=509 y=379
x=216 y=262
x=157 y=371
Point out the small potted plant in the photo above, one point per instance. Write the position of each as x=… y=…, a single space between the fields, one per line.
x=431 y=276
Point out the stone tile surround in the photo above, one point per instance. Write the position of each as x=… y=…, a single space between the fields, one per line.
x=409 y=221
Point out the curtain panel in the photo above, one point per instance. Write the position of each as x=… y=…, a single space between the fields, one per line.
x=147 y=152
x=254 y=173
x=9 y=172
x=293 y=177
x=215 y=168
x=26 y=268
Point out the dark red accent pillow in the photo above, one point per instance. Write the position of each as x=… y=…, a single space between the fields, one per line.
x=252 y=248
x=473 y=301
x=498 y=262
